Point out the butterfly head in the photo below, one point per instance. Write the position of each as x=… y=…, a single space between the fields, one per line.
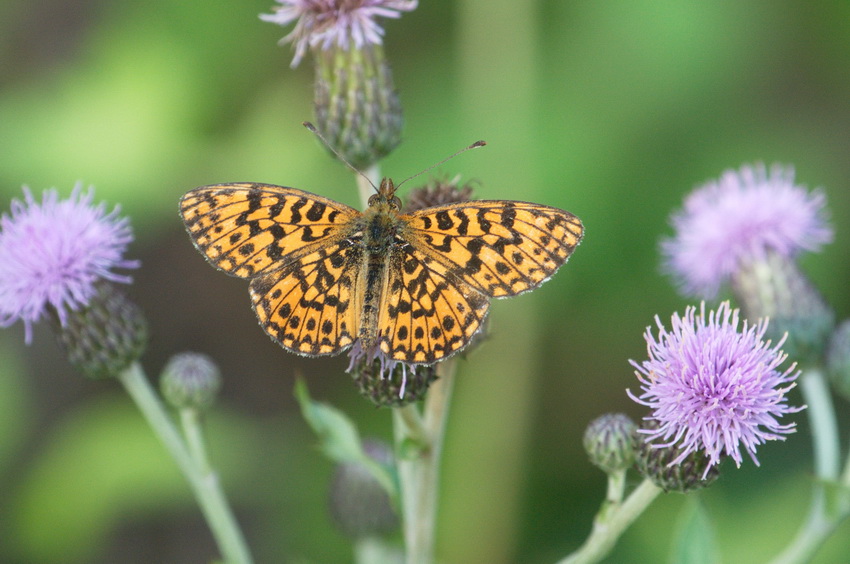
x=385 y=195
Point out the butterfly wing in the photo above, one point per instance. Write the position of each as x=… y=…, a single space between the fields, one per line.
x=499 y=248
x=293 y=247
x=429 y=314
x=249 y=229
x=307 y=305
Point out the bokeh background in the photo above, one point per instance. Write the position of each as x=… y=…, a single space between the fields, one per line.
x=613 y=111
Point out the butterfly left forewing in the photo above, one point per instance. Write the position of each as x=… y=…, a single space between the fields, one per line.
x=500 y=248
x=247 y=229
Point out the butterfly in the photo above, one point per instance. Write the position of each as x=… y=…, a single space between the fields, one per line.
x=414 y=286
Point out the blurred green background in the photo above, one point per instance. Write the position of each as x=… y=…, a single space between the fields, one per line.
x=613 y=111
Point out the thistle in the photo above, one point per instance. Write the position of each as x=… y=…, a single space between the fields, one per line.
x=356 y=105
x=714 y=387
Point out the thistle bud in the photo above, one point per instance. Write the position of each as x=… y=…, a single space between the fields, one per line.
x=393 y=384
x=356 y=105
x=838 y=359
x=610 y=442
x=437 y=193
x=190 y=380
x=359 y=505
x=104 y=336
x=694 y=472
x=775 y=287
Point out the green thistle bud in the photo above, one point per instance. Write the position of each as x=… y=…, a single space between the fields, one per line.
x=356 y=104
x=359 y=506
x=437 y=193
x=190 y=380
x=610 y=442
x=654 y=463
x=392 y=385
x=775 y=287
x=105 y=336
x=838 y=359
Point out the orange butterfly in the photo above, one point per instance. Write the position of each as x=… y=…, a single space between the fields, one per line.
x=415 y=286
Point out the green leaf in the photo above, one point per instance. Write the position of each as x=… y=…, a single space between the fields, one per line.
x=340 y=440
x=694 y=541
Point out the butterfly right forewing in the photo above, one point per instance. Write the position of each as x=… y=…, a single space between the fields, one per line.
x=500 y=248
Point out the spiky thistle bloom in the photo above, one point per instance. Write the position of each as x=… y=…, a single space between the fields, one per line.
x=325 y=24
x=742 y=217
x=53 y=253
x=713 y=386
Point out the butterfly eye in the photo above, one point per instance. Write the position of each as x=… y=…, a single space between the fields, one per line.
x=373 y=199
x=396 y=202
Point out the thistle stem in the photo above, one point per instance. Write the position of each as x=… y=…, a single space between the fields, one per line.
x=611 y=521
x=201 y=478
x=365 y=186
x=823 y=518
x=419 y=439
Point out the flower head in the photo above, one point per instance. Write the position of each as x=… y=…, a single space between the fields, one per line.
x=385 y=381
x=713 y=387
x=341 y=23
x=742 y=216
x=52 y=254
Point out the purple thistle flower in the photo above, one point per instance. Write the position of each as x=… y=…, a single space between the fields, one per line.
x=712 y=387
x=52 y=253
x=743 y=216
x=324 y=23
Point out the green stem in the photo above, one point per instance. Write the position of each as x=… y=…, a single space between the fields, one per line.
x=419 y=472
x=366 y=186
x=204 y=484
x=822 y=519
x=192 y=431
x=611 y=521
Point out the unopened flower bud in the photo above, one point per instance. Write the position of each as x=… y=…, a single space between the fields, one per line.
x=437 y=193
x=190 y=380
x=357 y=107
x=694 y=472
x=838 y=359
x=392 y=386
x=775 y=287
x=360 y=507
x=610 y=442
x=104 y=336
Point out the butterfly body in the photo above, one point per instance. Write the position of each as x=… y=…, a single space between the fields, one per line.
x=415 y=286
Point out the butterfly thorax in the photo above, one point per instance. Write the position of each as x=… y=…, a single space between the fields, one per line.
x=381 y=224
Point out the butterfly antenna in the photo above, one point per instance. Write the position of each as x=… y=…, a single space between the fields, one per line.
x=453 y=155
x=315 y=131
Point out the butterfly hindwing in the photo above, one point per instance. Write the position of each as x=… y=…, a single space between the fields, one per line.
x=248 y=229
x=500 y=248
x=428 y=314
x=308 y=306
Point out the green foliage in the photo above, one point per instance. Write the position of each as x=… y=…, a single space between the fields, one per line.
x=340 y=441
x=694 y=539
x=103 y=466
